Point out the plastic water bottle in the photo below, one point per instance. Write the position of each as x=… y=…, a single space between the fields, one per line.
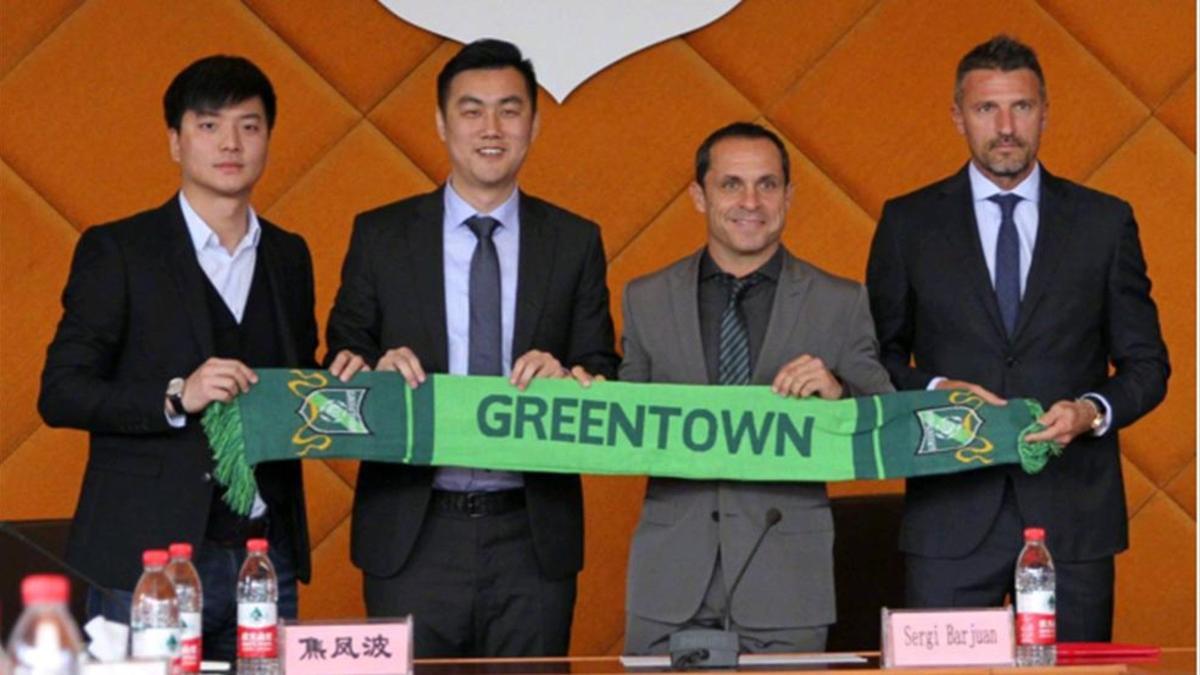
x=258 y=613
x=46 y=640
x=154 y=613
x=1035 y=602
x=188 y=592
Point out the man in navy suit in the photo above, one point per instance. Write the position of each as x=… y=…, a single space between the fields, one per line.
x=1008 y=281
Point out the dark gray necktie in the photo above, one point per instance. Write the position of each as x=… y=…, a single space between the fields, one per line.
x=1008 y=262
x=733 y=351
x=484 y=329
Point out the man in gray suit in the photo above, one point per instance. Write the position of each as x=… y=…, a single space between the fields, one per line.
x=742 y=311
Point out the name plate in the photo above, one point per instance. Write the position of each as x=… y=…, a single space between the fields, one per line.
x=947 y=637
x=371 y=647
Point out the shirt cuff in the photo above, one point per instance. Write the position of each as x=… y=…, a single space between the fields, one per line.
x=176 y=421
x=933 y=384
x=1105 y=408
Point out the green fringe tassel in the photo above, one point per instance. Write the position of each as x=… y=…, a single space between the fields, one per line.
x=223 y=424
x=1035 y=456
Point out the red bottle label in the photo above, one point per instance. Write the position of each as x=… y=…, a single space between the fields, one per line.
x=257 y=630
x=190 y=638
x=189 y=656
x=256 y=643
x=1036 y=629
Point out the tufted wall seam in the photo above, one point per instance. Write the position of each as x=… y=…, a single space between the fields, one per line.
x=333 y=83
x=17 y=63
x=366 y=114
x=1175 y=88
x=1108 y=67
x=1117 y=148
x=1167 y=483
x=786 y=91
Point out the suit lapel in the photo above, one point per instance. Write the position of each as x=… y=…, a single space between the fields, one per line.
x=184 y=269
x=683 y=286
x=965 y=249
x=268 y=255
x=1053 y=219
x=425 y=260
x=786 y=335
x=535 y=264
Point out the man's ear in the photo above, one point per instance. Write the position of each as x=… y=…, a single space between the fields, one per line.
x=699 y=199
x=439 y=120
x=956 y=115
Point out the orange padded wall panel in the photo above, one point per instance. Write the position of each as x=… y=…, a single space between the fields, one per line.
x=860 y=89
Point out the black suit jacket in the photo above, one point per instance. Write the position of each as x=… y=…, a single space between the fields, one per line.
x=135 y=316
x=393 y=295
x=1087 y=304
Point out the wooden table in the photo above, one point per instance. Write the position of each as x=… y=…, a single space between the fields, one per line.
x=1173 y=660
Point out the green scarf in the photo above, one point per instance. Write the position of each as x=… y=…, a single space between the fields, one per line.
x=683 y=431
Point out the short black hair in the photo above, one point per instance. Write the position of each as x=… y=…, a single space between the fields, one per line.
x=739 y=130
x=1002 y=53
x=487 y=54
x=214 y=82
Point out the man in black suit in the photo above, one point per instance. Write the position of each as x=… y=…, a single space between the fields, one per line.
x=1007 y=281
x=476 y=277
x=165 y=312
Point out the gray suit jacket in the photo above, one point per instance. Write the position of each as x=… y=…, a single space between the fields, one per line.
x=685 y=523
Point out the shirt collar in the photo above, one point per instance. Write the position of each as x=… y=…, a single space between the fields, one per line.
x=982 y=187
x=203 y=236
x=769 y=269
x=458 y=210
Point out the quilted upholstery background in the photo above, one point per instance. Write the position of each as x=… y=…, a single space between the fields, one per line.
x=859 y=88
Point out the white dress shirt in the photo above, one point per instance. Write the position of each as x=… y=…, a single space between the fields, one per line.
x=229 y=273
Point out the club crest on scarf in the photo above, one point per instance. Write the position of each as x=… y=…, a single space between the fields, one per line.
x=325 y=411
x=955 y=428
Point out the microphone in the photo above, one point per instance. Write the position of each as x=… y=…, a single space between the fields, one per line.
x=708 y=647
x=772 y=519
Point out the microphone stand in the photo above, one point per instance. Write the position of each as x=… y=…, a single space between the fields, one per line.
x=708 y=647
x=54 y=558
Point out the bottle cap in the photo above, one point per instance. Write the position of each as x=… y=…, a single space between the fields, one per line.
x=256 y=545
x=37 y=588
x=181 y=550
x=1035 y=534
x=155 y=557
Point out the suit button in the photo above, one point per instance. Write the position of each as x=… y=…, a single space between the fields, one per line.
x=207 y=477
x=716 y=517
x=1011 y=361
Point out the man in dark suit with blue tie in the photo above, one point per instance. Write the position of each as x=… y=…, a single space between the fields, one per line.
x=475 y=278
x=1007 y=281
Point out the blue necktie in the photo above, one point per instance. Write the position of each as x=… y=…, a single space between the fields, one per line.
x=483 y=351
x=1008 y=262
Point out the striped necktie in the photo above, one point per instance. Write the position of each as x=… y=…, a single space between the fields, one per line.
x=733 y=352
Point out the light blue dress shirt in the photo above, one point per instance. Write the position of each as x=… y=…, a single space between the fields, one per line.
x=458 y=246
x=987 y=219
